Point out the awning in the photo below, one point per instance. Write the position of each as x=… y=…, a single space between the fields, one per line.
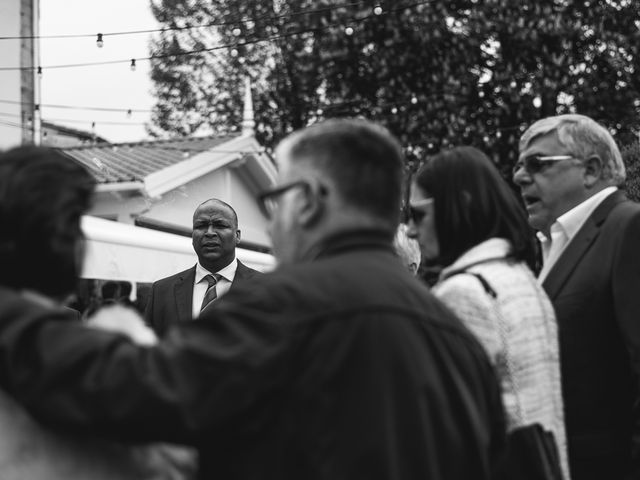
x=118 y=251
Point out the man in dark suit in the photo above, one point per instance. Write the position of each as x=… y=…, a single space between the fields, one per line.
x=181 y=297
x=568 y=172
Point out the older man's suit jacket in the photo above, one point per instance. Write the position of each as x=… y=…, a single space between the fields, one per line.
x=171 y=298
x=595 y=289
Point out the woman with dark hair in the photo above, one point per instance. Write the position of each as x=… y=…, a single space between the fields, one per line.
x=466 y=218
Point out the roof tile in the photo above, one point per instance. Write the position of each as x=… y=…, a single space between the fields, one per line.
x=131 y=162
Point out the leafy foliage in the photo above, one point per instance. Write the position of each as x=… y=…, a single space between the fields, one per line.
x=631 y=157
x=436 y=73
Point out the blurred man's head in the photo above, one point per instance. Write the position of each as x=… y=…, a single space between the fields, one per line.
x=334 y=176
x=563 y=161
x=215 y=234
x=43 y=195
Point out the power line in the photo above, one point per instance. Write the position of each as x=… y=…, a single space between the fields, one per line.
x=77 y=107
x=192 y=27
x=132 y=61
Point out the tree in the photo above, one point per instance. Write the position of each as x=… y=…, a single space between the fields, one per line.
x=437 y=73
x=631 y=157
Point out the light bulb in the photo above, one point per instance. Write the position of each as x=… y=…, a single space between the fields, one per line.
x=99 y=41
x=377 y=10
x=348 y=31
x=133 y=65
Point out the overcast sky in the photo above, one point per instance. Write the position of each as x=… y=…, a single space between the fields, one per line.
x=105 y=86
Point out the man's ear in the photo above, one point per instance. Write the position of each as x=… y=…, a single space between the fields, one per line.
x=238 y=236
x=593 y=170
x=312 y=203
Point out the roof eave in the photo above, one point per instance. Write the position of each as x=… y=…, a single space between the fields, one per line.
x=120 y=187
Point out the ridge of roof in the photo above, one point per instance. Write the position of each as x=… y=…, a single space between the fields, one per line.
x=153 y=142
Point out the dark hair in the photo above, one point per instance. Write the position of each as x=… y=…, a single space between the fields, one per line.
x=110 y=290
x=472 y=204
x=364 y=161
x=42 y=197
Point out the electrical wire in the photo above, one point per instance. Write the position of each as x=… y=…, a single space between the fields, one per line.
x=191 y=27
x=132 y=61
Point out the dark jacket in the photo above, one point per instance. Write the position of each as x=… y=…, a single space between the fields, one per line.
x=171 y=298
x=341 y=368
x=595 y=289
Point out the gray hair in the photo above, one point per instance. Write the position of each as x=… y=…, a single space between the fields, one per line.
x=584 y=138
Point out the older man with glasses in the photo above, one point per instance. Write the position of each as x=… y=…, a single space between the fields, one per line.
x=338 y=365
x=568 y=172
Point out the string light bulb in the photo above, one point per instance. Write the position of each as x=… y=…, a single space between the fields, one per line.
x=99 y=41
x=133 y=65
x=129 y=113
x=40 y=71
x=348 y=31
x=237 y=32
x=377 y=10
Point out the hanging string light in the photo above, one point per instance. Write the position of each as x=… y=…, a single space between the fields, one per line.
x=133 y=65
x=377 y=10
x=99 y=41
x=348 y=31
x=40 y=72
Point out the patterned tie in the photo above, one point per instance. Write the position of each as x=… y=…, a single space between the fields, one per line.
x=211 y=293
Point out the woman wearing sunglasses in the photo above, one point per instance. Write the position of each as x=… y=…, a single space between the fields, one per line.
x=466 y=218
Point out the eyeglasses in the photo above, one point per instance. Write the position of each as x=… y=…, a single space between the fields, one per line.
x=268 y=198
x=536 y=163
x=416 y=211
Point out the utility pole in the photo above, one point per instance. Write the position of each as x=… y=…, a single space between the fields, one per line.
x=37 y=73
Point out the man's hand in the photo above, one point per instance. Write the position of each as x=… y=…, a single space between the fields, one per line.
x=117 y=318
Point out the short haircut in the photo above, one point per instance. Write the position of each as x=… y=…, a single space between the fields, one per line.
x=584 y=138
x=472 y=204
x=363 y=160
x=43 y=195
x=219 y=202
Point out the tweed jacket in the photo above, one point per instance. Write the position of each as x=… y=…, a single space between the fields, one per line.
x=530 y=333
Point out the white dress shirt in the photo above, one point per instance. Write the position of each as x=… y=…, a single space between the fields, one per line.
x=200 y=286
x=565 y=228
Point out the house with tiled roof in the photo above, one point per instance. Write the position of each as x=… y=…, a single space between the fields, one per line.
x=158 y=184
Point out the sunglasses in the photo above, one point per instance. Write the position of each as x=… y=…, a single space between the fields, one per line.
x=269 y=198
x=416 y=211
x=536 y=163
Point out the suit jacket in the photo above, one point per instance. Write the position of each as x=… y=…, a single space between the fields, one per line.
x=171 y=298
x=595 y=289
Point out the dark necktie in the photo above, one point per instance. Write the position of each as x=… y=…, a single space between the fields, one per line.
x=211 y=293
